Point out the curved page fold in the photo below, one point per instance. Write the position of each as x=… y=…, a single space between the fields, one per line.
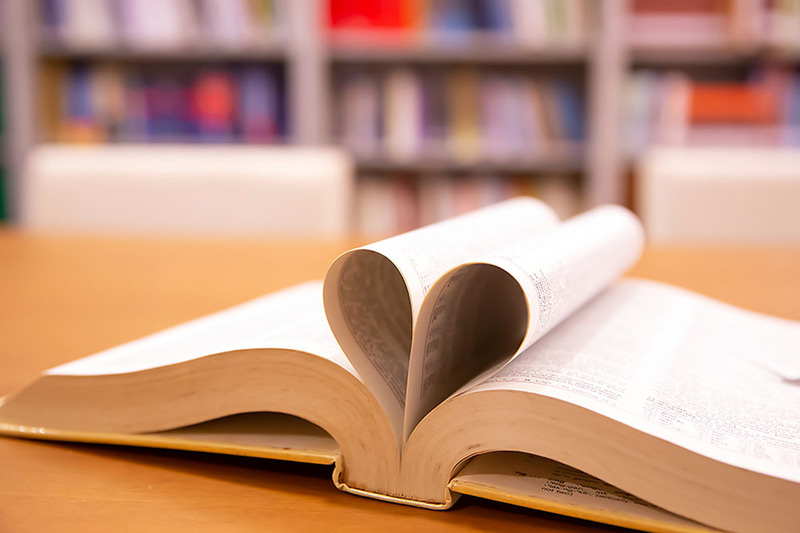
x=372 y=294
x=479 y=316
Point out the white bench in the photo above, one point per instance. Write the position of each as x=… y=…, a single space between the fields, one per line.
x=720 y=195
x=188 y=189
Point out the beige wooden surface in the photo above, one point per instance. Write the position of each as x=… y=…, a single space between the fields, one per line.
x=65 y=297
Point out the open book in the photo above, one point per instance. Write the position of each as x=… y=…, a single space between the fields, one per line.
x=495 y=354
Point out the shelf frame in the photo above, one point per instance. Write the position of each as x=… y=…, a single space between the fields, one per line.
x=271 y=52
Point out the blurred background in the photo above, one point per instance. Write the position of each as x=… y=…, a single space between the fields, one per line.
x=371 y=117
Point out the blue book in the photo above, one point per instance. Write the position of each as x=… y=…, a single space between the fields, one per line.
x=78 y=105
x=451 y=18
x=259 y=105
x=571 y=110
x=497 y=16
x=53 y=16
x=791 y=113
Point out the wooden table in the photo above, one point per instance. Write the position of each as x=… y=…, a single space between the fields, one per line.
x=65 y=297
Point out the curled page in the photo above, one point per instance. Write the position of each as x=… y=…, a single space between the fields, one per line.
x=372 y=294
x=480 y=315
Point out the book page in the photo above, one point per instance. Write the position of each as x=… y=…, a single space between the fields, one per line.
x=709 y=377
x=289 y=319
x=423 y=255
x=480 y=316
x=373 y=294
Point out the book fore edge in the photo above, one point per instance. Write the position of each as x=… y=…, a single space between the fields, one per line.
x=154 y=441
x=575 y=511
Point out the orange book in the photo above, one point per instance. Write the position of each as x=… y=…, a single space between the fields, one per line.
x=733 y=103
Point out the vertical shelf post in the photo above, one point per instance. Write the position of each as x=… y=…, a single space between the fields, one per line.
x=607 y=73
x=307 y=72
x=19 y=77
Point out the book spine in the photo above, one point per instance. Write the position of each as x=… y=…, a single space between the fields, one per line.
x=259 y=105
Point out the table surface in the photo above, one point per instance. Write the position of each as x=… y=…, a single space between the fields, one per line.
x=64 y=297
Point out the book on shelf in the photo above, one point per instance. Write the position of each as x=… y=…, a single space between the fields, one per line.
x=463 y=137
x=458 y=114
x=494 y=354
x=167 y=25
x=101 y=102
x=519 y=23
x=384 y=15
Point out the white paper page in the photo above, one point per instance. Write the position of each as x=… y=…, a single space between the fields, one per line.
x=557 y=271
x=371 y=308
x=560 y=270
x=423 y=255
x=289 y=319
x=679 y=366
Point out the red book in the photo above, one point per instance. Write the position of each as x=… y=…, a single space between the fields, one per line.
x=214 y=105
x=373 y=14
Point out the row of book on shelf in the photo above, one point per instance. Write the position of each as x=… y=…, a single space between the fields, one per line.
x=459 y=114
x=253 y=23
x=389 y=204
x=107 y=102
x=400 y=114
x=670 y=108
x=713 y=23
x=524 y=23
x=164 y=24
x=238 y=24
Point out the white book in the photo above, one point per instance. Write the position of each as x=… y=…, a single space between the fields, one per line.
x=88 y=24
x=402 y=114
x=162 y=25
x=227 y=23
x=529 y=22
x=359 y=109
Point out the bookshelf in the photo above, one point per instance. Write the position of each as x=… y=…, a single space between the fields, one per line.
x=311 y=58
x=737 y=87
